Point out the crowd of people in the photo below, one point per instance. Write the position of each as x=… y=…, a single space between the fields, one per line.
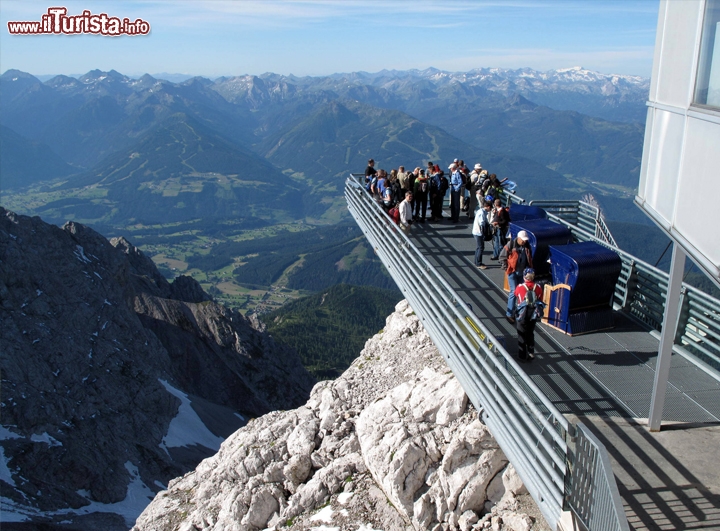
x=429 y=186
x=407 y=197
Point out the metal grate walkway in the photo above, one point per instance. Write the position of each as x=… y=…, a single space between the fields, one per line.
x=605 y=373
x=668 y=480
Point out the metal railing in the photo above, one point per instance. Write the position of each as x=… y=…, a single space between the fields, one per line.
x=596 y=502
x=534 y=435
x=581 y=214
x=640 y=292
x=642 y=288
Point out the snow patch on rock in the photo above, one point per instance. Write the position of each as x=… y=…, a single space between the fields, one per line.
x=187 y=429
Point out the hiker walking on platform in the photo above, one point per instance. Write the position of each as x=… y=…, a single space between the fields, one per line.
x=529 y=311
x=515 y=257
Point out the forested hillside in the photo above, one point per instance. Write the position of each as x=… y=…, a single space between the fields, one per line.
x=329 y=329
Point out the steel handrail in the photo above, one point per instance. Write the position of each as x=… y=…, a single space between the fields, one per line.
x=640 y=292
x=534 y=435
x=449 y=290
x=480 y=368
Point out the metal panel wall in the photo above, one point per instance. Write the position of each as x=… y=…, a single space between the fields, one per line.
x=678 y=47
x=679 y=178
x=697 y=214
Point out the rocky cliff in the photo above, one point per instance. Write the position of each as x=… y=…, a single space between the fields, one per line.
x=392 y=444
x=115 y=381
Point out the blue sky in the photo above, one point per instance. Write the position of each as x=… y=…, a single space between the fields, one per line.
x=214 y=38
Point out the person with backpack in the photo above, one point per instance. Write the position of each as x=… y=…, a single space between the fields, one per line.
x=379 y=189
x=388 y=202
x=482 y=231
x=529 y=311
x=500 y=219
x=515 y=257
x=397 y=192
x=436 y=203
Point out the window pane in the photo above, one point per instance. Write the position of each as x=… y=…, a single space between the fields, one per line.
x=707 y=89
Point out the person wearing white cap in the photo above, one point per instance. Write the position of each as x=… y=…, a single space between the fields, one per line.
x=515 y=257
x=455 y=188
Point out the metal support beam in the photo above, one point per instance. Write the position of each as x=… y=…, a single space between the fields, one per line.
x=667 y=337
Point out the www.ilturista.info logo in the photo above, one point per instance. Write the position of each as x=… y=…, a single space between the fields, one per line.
x=58 y=22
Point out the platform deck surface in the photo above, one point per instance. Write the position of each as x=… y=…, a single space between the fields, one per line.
x=668 y=480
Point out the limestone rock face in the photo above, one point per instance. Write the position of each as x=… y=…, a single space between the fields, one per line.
x=114 y=380
x=392 y=444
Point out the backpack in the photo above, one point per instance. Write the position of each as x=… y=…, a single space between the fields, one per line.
x=394 y=214
x=512 y=260
x=530 y=309
x=435 y=184
x=444 y=185
x=487 y=232
x=424 y=186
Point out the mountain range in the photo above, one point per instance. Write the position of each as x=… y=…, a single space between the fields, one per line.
x=233 y=154
x=277 y=148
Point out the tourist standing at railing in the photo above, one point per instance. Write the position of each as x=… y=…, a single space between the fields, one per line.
x=397 y=192
x=379 y=189
x=492 y=186
x=500 y=220
x=472 y=185
x=405 y=209
x=369 y=172
x=465 y=176
x=516 y=256
x=403 y=179
x=421 y=191
x=438 y=187
x=411 y=182
x=455 y=188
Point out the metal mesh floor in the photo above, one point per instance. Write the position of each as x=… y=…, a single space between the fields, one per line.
x=607 y=373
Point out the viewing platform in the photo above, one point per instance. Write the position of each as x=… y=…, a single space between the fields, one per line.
x=600 y=380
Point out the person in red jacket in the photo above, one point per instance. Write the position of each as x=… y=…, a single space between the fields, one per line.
x=515 y=252
x=529 y=309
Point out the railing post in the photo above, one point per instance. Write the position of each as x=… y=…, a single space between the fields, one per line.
x=667 y=339
x=683 y=314
x=630 y=287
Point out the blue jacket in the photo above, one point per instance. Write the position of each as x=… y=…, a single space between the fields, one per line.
x=455 y=181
